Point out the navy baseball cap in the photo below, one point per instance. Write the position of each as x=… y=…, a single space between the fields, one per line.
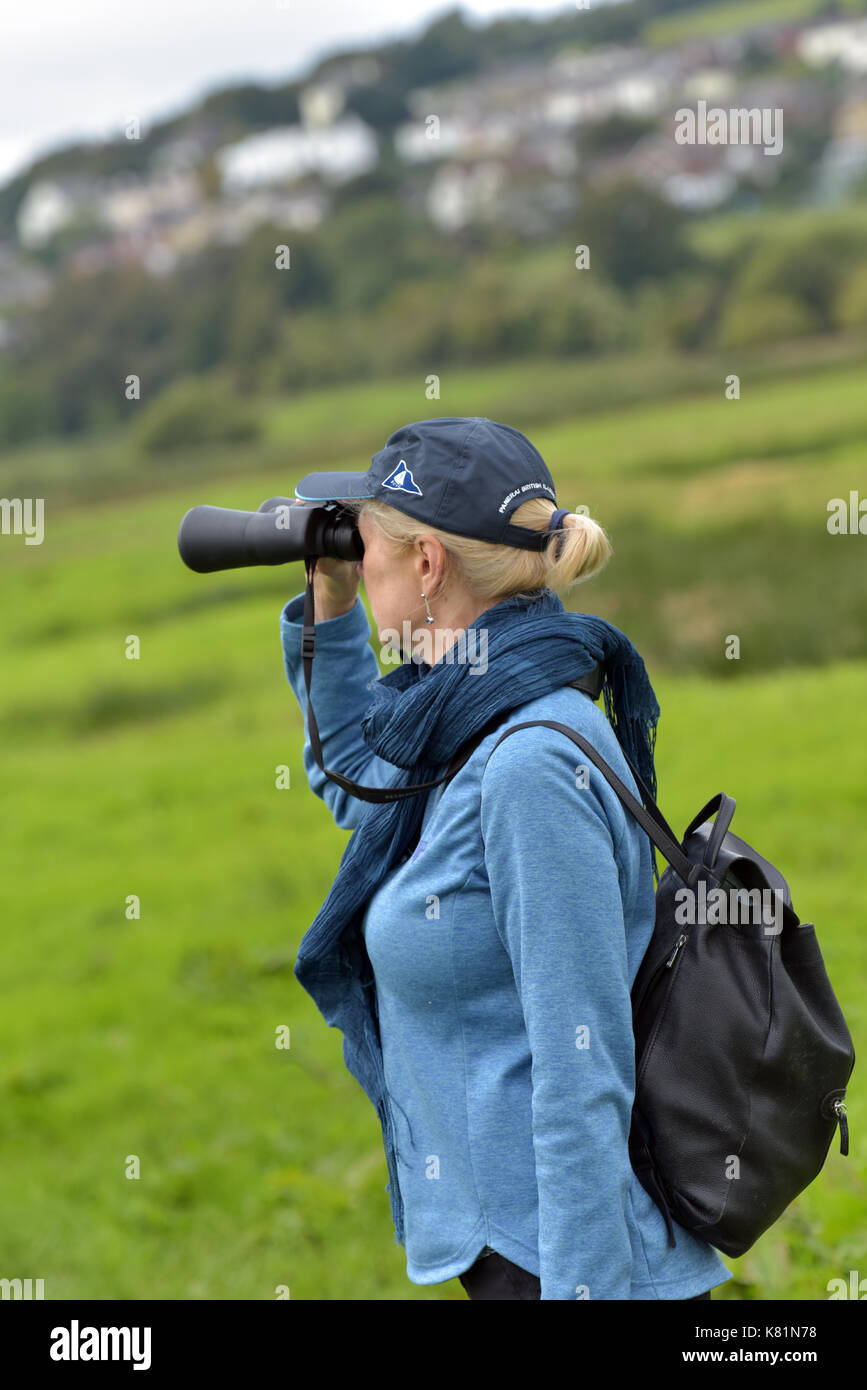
x=463 y=474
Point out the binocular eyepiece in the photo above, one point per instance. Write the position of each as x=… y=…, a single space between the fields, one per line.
x=282 y=530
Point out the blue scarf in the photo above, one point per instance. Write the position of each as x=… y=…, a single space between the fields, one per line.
x=422 y=715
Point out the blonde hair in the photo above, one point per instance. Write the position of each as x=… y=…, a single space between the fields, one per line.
x=505 y=571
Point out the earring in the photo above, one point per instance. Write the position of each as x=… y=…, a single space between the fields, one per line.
x=429 y=618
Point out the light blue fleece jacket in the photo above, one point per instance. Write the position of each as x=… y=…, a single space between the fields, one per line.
x=504 y=948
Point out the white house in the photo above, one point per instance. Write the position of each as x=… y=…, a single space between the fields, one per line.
x=321 y=103
x=337 y=153
x=129 y=201
x=47 y=206
x=458 y=194
x=456 y=134
x=844 y=43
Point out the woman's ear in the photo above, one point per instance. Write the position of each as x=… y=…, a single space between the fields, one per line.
x=431 y=563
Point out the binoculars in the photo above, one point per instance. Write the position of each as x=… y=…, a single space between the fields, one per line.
x=282 y=530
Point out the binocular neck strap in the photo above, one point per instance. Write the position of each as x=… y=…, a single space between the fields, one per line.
x=376 y=794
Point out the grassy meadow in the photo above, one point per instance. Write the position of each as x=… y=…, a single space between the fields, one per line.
x=155 y=1036
x=727 y=16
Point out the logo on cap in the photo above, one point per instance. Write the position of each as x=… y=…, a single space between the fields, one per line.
x=401 y=480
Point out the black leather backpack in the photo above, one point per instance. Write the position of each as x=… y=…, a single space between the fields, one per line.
x=742 y=1053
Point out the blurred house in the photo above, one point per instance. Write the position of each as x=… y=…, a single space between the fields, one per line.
x=497 y=111
x=712 y=84
x=321 y=103
x=337 y=152
x=610 y=81
x=125 y=202
x=301 y=209
x=700 y=177
x=51 y=204
x=122 y=205
x=141 y=246
x=844 y=43
x=462 y=193
x=693 y=177
x=474 y=134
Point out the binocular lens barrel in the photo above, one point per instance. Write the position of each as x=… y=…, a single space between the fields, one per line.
x=219 y=538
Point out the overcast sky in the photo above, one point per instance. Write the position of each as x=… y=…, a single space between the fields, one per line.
x=82 y=68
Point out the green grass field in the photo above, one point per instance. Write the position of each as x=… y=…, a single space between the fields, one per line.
x=731 y=17
x=156 y=777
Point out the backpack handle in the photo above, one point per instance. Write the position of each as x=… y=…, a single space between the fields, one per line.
x=725 y=809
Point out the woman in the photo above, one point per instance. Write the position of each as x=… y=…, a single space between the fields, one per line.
x=478 y=946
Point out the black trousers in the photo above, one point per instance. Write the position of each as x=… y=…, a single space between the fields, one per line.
x=493 y=1276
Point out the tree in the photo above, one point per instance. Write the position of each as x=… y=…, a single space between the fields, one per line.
x=633 y=234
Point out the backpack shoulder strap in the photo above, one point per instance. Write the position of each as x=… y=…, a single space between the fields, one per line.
x=591 y=684
x=653 y=825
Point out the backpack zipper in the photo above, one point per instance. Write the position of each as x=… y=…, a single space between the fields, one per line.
x=839 y=1108
x=654 y=978
x=681 y=941
x=833 y=1103
x=673 y=961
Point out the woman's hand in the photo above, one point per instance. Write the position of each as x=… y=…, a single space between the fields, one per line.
x=335 y=587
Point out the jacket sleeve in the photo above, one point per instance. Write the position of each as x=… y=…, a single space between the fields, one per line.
x=558 y=909
x=344 y=669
